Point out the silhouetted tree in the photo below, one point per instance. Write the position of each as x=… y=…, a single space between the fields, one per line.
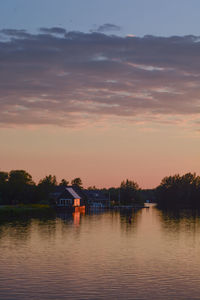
x=179 y=191
x=3 y=187
x=45 y=187
x=20 y=177
x=90 y=188
x=3 y=177
x=64 y=182
x=20 y=187
x=129 y=192
x=129 y=184
x=49 y=180
x=77 y=181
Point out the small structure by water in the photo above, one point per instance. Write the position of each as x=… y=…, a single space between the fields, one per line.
x=96 y=199
x=68 y=197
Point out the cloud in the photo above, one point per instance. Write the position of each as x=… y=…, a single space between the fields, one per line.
x=53 y=30
x=15 y=33
x=107 y=27
x=73 y=78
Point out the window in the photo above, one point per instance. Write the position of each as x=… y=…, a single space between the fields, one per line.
x=65 y=202
x=76 y=202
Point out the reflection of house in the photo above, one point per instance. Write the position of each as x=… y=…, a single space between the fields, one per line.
x=67 y=197
x=96 y=199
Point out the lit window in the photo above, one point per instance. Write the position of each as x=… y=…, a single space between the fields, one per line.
x=76 y=202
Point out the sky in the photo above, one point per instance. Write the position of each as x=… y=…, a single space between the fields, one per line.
x=102 y=90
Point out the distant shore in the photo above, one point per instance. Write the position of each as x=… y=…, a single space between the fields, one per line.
x=22 y=211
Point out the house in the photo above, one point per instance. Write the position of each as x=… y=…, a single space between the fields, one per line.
x=96 y=199
x=73 y=198
x=67 y=197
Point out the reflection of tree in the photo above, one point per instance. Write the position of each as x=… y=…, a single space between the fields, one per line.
x=65 y=217
x=17 y=230
x=21 y=229
x=129 y=219
x=184 y=220
x=122 y=216
x=47 y=227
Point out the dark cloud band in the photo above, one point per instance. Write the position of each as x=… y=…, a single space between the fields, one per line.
x=64 y=78
x=108 y=27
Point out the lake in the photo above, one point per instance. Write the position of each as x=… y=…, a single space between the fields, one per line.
x=102 y=256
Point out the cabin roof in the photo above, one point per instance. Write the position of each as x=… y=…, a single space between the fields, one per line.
x=69 y=191
x=72 y=192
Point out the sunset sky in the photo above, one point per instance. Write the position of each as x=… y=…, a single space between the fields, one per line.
x=102 y=90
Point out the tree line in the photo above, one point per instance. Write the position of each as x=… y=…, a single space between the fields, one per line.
x=127 y=193
x=17 y=186
x=179 y=191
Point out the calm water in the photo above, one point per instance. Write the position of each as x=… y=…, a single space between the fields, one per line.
x=102 y=256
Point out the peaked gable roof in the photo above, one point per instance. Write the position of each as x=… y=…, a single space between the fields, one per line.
x=69 y=191
x=72 y=192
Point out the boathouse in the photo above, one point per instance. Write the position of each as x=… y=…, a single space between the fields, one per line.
x=67 y=197
x=97 y=199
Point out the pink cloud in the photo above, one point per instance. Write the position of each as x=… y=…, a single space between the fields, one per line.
x=67 y=78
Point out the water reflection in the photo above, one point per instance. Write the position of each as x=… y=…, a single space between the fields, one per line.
x=129 y=219
x=102 y=255
x=17 y=230
x=186 y=221
x=71 y=217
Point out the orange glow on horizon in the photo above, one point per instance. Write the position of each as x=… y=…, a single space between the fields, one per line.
x=102 y=157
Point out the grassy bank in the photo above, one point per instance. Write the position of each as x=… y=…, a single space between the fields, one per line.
x=23 y=211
